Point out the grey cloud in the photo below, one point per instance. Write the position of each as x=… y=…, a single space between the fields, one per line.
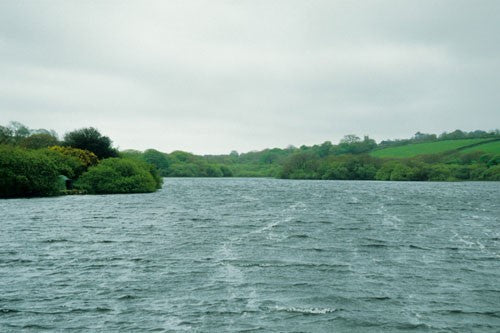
x=211 y=76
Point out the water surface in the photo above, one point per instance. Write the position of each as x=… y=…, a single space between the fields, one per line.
x=263 y=255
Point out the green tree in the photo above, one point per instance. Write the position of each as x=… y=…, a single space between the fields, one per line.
x=440 y=172
x=492 y=173
x=160 y=160
x=6 y=135
x=91 y=139
x=40 y=140
x=402 y=172
x=335 y=170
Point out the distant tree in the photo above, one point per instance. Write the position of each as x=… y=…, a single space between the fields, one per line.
x=352 y=144
x=37 y=141
x=226 y=172
x=19 y=130
x=131 y=154
x=456 y=134
x=492 y=173
x=92 y=140
x=350 y=139
x=6 y=135
x=13 y=133
x=424 y=137
x=335 y=170
x=211 y=170
x=440 y=172
x=184 y=170
x=158 y=159
x=183 y=156
x=303 y=165
x=401 y=172
x=324 y=149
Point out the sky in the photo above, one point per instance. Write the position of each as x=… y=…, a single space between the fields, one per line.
x=214 y=76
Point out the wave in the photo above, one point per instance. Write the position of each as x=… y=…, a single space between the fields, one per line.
x=298 y=236
x=312 y=311
x=376 y=245
x=16 y=261
x=126 y=297
x=376 y=298
x=55 y=240
x=37 y=327
x=411 y=246
x=306 y=265
x=495 y=314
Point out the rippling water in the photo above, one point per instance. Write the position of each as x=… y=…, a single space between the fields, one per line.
x=217 y=255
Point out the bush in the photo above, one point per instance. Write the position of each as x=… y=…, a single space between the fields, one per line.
x=116 y=175
x=87 y=157
x=492 y=173
x=335 y=170
x=68 y=166
x=25 y=173
x=401 y=172
x=440 y=172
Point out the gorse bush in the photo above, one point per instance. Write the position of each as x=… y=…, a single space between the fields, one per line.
x=87 y=157
x=116 y=175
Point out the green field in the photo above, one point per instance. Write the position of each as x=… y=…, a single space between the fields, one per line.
x=490 y=147
x=429 y=148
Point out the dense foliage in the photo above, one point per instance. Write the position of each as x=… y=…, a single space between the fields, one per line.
x=27 y=173
x=180 y=164
x=114 y=175
x=474 y=166
x=91 y=139
x=36 y=163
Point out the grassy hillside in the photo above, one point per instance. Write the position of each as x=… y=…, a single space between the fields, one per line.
x=489 y=147
x=412 y=150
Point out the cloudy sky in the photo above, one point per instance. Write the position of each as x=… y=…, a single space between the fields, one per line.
x=213 y=76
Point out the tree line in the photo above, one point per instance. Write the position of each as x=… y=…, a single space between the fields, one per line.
x=350 y=159
x=37 y=162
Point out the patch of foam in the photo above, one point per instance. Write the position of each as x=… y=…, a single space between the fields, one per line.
x=305 y=310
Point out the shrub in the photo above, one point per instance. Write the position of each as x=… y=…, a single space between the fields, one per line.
x=25 y=173
x=116 y=175
x=492 y=173
x=68 y=166
x=87 y=157
x=401 y=172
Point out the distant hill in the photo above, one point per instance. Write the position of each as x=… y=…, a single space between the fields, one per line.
x=491 y=147
x=486 y=145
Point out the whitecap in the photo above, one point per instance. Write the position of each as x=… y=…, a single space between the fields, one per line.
x=306 y=310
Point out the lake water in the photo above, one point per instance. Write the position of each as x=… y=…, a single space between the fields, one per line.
x=263 y=255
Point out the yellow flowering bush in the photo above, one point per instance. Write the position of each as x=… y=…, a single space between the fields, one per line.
x=87 y=158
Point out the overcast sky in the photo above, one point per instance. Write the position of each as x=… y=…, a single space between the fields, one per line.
x=215 y=76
